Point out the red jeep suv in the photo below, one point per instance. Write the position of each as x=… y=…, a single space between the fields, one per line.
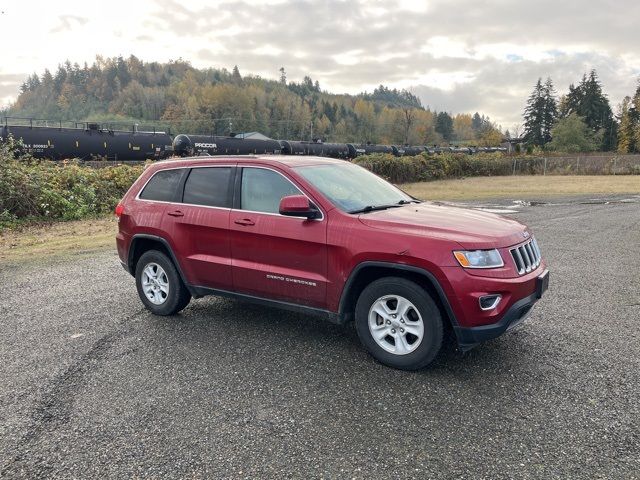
x=329 y=238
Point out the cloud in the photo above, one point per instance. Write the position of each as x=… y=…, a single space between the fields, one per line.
x=9 y=84
x=458 y=55
x=67 y=23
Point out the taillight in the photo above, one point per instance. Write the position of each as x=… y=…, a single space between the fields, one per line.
x=119 y=210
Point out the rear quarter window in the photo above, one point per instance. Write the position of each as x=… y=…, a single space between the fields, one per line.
x=162 y=186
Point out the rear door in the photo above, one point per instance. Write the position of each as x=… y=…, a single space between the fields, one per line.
x=274 y=256
x=199 y=226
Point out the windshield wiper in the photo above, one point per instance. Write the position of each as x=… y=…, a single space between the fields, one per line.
x=372 y=208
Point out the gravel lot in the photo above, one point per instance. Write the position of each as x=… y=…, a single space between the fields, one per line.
x=92 y=386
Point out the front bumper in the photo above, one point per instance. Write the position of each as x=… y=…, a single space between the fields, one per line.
x=519 y=298
x=469 y=337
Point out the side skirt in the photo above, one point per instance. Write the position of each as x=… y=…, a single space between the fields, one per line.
x=293 y=307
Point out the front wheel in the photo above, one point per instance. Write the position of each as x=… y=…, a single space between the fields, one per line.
x=159 y=284
x=399 y=323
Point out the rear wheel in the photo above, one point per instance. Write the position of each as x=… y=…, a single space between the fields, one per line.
x=399 y=323
x=159 y=284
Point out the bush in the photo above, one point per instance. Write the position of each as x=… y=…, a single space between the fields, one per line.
x=40 y=189
x=426 y=167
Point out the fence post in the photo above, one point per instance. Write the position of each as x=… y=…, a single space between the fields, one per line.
x=545 y=166
x=514 y=166
x=615 y=160
x=577 y=164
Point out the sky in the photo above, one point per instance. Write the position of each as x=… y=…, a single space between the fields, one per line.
x=456 y=55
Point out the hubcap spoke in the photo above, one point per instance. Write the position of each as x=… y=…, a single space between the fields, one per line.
x=402 y=346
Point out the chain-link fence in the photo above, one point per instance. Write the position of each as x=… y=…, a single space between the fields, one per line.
x=577 y=165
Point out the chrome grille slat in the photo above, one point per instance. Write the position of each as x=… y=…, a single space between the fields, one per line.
x=527 y=257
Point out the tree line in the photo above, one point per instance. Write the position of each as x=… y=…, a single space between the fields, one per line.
x=582 y=119
x=175 y=94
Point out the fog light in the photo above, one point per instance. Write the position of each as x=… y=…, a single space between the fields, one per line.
x=489 y=302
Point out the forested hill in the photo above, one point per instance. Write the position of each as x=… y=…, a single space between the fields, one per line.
x=187 y=99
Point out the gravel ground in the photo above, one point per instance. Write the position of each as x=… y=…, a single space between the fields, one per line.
x=94 y=387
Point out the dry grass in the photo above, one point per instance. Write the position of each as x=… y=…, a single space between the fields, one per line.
x=33 y=243
x=524 y=187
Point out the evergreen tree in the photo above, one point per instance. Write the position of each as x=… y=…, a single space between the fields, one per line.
x=549 y=111
x=534 y=116
x=444 y=125
x=589 y=102
x=235 y=75
x=477 y=123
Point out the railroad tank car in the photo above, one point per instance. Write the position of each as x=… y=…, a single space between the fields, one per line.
x=412 y=150
x=320 y=149
x=369 y=148
x=186 y=145
x=91 y=142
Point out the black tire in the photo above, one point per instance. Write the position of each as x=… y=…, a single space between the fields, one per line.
x=177 y=297
x=422 y=353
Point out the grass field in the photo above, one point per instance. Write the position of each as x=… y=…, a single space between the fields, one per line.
x=69 y=238
x=63 y=238
x=524 y=187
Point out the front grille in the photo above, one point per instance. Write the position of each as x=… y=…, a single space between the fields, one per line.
x=526 y=256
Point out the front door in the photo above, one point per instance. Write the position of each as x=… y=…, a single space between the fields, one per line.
x=273 y=256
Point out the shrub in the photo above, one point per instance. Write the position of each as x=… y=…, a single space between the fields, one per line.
x=40 y=189
x=426 y=167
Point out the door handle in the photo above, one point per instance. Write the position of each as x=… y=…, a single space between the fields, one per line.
x=176 y=213
x=244 y=221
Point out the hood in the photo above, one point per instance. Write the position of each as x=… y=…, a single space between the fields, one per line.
x=472 y=229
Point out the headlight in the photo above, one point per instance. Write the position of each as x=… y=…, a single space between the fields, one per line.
x=479 y=258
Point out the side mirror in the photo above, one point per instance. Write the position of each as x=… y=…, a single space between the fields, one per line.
x=298 y=206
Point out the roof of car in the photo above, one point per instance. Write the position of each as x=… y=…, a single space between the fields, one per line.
x=283 y=160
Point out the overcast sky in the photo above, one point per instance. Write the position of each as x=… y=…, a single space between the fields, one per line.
x=456 y=55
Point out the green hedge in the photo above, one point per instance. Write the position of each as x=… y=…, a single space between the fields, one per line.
x=435 y=167
x=40 y=190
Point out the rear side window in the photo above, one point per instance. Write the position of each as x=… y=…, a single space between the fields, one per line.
x=208 y=186
x=263 y=189
x=162 y=186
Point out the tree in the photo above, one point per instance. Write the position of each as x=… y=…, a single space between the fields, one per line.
x=540 y=113
x=549 y=111
x=572 y=134
x=589 y=102
x=235 y=75
x=626 y=129
x=283 y=76
x=444 y=125
x=635 y=117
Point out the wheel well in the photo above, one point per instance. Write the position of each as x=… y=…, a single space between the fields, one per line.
x=142 y=245
x=370 y=274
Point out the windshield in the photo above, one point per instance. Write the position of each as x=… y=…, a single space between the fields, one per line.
x=352 y=188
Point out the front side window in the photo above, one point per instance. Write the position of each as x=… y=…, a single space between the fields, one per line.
x=208 y=186
x=263 y=189
x=162 y=186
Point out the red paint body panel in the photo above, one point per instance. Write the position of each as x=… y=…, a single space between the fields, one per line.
x=308 y=262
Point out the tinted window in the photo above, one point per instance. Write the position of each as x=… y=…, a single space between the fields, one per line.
x=208 y=186
x=263 y=189
x=162 y=186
